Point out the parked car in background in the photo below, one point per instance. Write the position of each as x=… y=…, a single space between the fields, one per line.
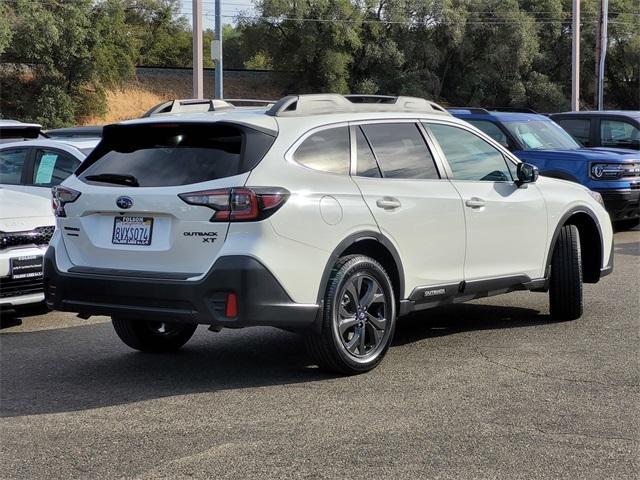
x=75 y=133
x=538 y=140
x=605 y=128
x=26 y=226
x=13 y=130
x=34 y=166
x=319 y=215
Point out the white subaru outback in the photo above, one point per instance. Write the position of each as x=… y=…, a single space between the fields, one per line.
x=323 y=214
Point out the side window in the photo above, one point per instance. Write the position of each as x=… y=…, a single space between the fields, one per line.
x=492 y=130
x=619 y=134
x=401 y=151
x=52 y=167
x=11 y=165
x=327 y=150
x=470 y=157
x=578 y=128
x=367 y=165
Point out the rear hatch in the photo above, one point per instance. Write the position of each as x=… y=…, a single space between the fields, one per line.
x=132 y=212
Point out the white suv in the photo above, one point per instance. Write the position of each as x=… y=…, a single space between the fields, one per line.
x=323 y=214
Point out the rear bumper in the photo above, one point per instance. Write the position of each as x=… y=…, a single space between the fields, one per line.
x=261 y=299
x=621 y=204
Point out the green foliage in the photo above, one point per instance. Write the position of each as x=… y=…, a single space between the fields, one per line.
x=260 y=61
x=5 y=27
x=59 y=56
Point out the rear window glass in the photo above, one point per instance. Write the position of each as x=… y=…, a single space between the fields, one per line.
x=327 y=150
x=172 y=154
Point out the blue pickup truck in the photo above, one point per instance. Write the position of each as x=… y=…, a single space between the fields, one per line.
x=535 y=139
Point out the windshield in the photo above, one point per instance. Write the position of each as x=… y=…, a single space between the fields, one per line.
x=541 y=135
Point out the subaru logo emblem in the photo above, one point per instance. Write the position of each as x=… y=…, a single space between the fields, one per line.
x=124 y=202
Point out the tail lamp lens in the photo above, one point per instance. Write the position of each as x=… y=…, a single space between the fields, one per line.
x=239 y=204
x=60 y=196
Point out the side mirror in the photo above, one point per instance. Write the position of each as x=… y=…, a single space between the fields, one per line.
x=527 y=173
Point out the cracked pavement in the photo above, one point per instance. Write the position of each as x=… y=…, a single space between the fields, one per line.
x=489 y=389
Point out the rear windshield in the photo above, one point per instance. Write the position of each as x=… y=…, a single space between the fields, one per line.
x=159 y=155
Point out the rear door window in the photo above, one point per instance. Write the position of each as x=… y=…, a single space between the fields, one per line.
x=12 y=163
x=158 y=155
x=619 y=134
x=367 y=165
x=401 y=150
x=326 y=150
x=52 y=167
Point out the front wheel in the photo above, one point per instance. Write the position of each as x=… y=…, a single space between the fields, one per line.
x=565 y=288
x=153 y=336
x=358 y=319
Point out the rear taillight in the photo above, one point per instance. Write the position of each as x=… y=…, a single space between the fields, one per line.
x=239 y=204
x=60 y=196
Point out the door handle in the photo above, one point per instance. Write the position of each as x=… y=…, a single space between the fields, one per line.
x=388 y=203
x=475 y=202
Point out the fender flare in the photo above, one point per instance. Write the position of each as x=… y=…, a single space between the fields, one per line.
x=568 y=214
x=351 y=240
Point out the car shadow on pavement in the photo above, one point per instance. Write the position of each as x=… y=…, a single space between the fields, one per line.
x=87 y=367
x=10 y=317
x=451 y=319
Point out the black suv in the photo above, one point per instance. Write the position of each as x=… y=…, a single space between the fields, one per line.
x=605 y=128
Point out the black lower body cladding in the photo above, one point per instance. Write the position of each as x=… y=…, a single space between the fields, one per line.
x=261 y=300
x=622 y=204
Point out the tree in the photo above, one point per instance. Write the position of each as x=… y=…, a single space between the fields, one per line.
x=320 y=53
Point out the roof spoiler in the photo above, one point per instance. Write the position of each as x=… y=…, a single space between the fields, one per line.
x=199 y=105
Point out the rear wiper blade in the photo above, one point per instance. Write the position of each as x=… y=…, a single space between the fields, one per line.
x=118 y=179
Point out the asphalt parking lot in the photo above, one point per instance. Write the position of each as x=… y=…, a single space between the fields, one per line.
x=490 y=389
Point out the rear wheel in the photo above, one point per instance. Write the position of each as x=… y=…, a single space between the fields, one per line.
x=153 y=336
x=358 y=319
x=565 y=288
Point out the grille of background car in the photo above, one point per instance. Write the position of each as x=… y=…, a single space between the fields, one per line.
x=15 y=287
x=37 y=236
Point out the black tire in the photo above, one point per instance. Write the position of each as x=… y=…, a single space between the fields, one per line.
x=153 y=337
x=361 y=347
x=565 y=288
x=627 y=224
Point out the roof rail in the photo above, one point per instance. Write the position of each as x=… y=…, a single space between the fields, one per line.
x=323 y=103
x=190 y=105
x=513 y=109
x=474 y=110
x=249 y=102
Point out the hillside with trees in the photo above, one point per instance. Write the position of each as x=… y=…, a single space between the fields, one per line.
x=60 y=58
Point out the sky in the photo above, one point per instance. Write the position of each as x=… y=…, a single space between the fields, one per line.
x=230 y=9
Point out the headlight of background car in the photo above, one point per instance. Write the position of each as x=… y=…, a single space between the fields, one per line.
x=604 y=171
x=597 y=197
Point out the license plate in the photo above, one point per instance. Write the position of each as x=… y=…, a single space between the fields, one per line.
x=132 y=231
x=29 y=266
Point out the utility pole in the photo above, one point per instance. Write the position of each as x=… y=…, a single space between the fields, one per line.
x=601 y=51
x=217 y=56
x=198 y=63
x=575 y=57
